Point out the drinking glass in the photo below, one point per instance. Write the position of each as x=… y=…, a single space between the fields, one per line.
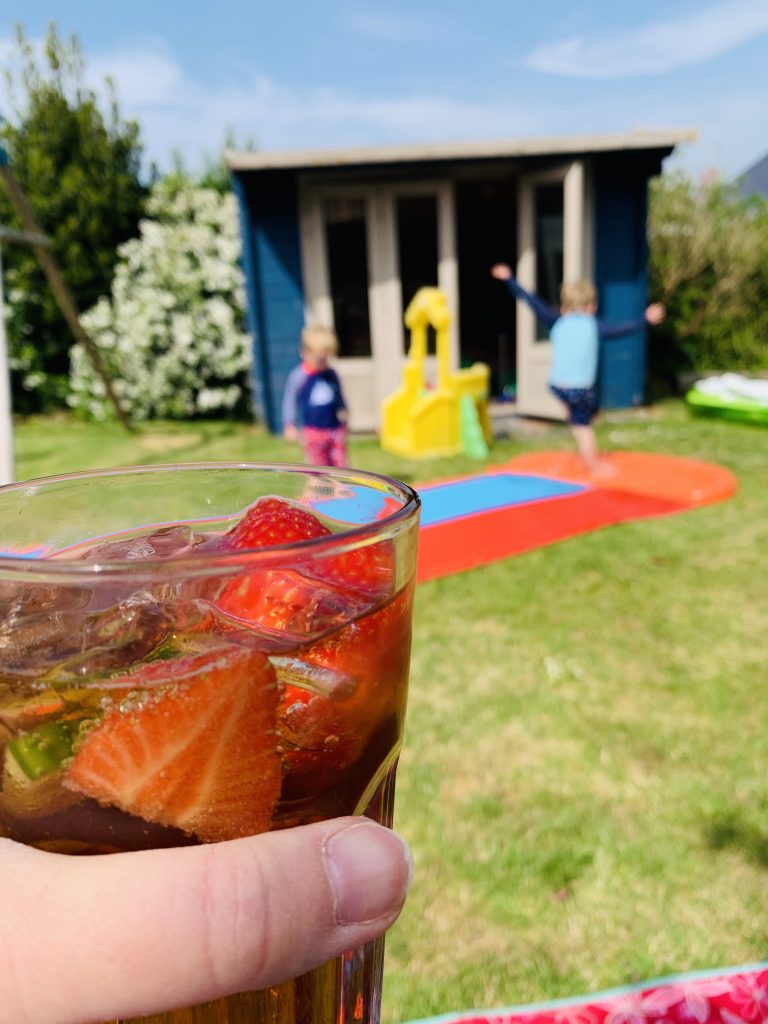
x=194 y=653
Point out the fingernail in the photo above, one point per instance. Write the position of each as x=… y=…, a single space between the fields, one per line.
x=369 y=868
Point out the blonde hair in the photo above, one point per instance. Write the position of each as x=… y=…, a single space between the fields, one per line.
x=577 y=295
x=320 y=341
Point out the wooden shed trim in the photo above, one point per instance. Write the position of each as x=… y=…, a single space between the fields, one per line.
x=263 y=160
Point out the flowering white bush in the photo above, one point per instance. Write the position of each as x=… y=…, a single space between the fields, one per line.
x=171 y=336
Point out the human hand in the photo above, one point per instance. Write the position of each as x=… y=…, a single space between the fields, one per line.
x=94 y=938
x=342 y=416
x=501 y=271
x=290 y=433
x=655 y=313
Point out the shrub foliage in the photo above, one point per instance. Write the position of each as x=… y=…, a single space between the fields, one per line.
x=171 y=334
x=709 y=266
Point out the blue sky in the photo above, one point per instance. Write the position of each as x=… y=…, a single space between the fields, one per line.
x=311 y=74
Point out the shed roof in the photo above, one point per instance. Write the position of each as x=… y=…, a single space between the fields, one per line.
x=305 y=159
x=754 y=181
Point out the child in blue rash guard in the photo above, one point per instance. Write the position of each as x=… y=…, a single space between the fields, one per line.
x=576 y=333
x=314 y=402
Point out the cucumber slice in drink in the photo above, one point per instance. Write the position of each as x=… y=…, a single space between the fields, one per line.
x=42 y=750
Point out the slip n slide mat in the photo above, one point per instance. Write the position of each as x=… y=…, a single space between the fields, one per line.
x=543 y=497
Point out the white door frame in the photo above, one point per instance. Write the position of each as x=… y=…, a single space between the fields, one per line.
x=535 y=357
x=369 y=380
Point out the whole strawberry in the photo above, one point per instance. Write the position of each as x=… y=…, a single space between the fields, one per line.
x=270 y=521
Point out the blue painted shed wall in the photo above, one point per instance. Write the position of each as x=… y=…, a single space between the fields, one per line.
x=621 y=258
x=275 y=292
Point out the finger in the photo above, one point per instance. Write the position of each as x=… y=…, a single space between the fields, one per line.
x=132 y=934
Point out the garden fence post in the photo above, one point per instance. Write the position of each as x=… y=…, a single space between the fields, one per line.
x=6 y=420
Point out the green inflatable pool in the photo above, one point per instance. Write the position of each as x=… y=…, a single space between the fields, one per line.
x=706 y=398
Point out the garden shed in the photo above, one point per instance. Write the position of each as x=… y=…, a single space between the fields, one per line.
x=345 y=237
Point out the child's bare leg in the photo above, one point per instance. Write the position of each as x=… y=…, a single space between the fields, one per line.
x=586 y=442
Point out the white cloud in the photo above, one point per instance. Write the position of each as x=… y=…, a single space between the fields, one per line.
x=178 y=112
x=393 y=26
x=656 y=47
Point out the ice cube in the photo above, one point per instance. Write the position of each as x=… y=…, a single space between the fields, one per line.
x=166 y=542
x=289 y=604
x=32 y=644
x=325 y=681
x=21 y=599
x=73 y=643
x=140 y=620
x=118 y=637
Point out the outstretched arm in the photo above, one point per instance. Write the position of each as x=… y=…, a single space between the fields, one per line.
x=544 y=313
x=654 y=314
x=608 y=331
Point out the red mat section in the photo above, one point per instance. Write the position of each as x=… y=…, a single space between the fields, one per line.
x=637 y=486
x=689 y=481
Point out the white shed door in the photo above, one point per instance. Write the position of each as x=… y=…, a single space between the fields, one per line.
x=551 y=248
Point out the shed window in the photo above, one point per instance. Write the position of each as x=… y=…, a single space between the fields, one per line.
x=345 y=233
x=416 y=244
x=549 y=246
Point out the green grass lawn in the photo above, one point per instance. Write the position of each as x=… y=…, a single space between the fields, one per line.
x=584 y=778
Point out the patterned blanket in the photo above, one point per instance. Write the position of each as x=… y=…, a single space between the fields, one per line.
x=737 y=995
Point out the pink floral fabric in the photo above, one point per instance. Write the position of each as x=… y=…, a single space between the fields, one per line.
x=739 y=996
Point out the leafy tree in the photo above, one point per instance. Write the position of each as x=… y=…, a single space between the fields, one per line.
x=709 y=266
x=172 y=334
x=79 y=168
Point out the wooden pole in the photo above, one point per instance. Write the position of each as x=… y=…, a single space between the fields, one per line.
x=6 y=418
x=59 y=288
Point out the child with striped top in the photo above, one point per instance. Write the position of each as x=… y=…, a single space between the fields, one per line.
x=314 y=410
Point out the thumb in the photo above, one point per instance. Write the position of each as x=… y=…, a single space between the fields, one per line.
x=86 y=939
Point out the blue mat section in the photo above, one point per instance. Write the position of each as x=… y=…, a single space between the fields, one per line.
x=487 y=492
x=358 y=505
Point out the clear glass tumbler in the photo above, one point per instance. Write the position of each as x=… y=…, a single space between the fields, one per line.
x=194 y=653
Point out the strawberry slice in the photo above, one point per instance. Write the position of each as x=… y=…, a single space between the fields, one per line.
x=271 y=521
x=198 y=753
